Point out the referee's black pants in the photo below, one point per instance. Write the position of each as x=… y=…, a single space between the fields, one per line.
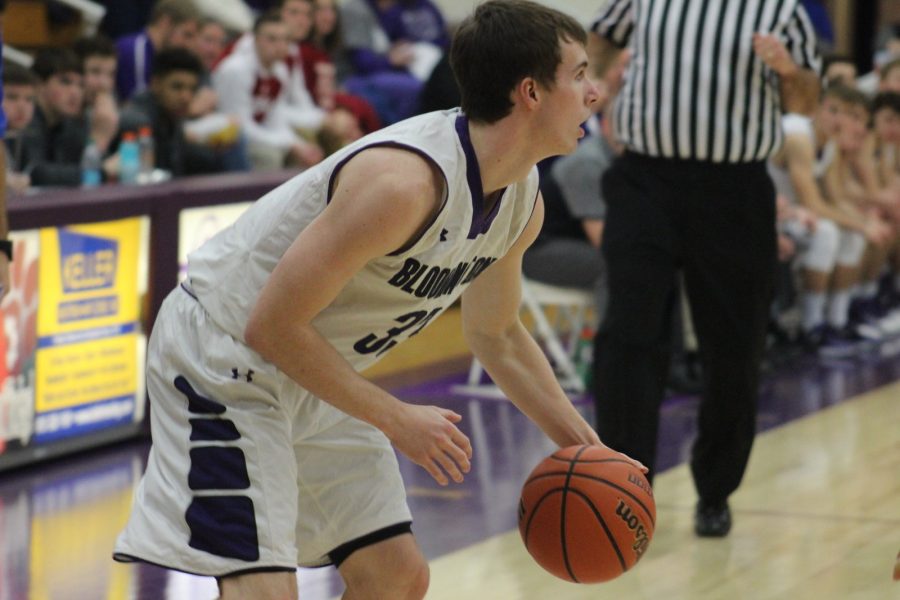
x=715 y=223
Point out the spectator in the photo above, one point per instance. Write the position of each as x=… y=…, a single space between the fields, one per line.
x=889 y=76
x=888 y=49
x=674 y=206
x=57 y=135
x=831 y=240
x=326 y=31
x=319 y=75
x=324 y=66
x=19 y=93
x=207 y=125
x=98 y=64
x=5 y=243
x=173 y=24
x=886 y=127
x=838 y=68
x=211 y=42
x=845 y=183
x=164 y=108
x=393 y=47
x=255 y=85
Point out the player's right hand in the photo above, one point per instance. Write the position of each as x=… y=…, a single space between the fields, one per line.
x=428 y=436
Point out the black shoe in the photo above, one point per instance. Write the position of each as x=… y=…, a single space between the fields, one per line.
x=712 y=520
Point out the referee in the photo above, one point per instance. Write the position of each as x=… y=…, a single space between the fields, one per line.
x=699 y=114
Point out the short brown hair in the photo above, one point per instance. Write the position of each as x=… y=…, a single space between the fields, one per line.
x=503 y=42
x=178 y=11
x=847 y=94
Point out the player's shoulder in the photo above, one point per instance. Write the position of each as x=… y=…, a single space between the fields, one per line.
x=400 y=166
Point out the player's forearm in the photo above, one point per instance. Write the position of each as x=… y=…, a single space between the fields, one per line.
x=518 y=366
x=310 y=360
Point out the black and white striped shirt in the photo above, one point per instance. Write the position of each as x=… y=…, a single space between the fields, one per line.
x=694 y=89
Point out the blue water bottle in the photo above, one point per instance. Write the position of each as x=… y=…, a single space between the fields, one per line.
x=129 y=159
x=91 y=163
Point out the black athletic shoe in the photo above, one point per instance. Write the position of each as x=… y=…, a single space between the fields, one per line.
x=712 y=520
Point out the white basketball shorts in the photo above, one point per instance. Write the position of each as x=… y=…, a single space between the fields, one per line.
x=247 y=470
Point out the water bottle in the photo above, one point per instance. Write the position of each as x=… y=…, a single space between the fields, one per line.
x=147 y=153
x=91 y=164
x=129 y=159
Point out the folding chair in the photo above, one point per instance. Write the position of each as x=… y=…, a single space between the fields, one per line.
x=559 y=338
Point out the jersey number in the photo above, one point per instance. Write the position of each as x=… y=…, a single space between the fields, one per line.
x=372 y=343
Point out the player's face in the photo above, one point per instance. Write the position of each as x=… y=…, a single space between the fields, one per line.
x=887 y=126
x=570 y=102
x=852 y=127
x=828 y=116
x=18 y=104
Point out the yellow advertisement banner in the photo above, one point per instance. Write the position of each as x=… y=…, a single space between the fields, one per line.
x=88 y=276
x=87 y=362
x=77 y=374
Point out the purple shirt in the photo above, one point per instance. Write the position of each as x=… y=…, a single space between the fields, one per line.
x=414 y=21
x=135 y=53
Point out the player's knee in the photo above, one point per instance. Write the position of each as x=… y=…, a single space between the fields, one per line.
x=406 y=580
x=419 y=578
x=259 y=586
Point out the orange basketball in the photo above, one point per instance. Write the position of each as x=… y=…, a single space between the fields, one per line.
x=586 y=514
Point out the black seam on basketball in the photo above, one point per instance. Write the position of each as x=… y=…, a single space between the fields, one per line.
x=572 y=462
x=621 y=489
x=562 y=517
x=534 y=510
x=589 y=461
x=609 y=535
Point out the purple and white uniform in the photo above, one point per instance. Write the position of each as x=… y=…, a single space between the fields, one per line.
x=242 y=455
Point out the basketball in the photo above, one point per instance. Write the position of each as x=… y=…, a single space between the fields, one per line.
x=586 y=514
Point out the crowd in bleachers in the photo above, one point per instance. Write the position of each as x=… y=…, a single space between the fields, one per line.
x=199 y=89
x=838 y=179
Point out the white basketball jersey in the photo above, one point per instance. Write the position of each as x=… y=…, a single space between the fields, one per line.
x=795 y=124
x=393 y=297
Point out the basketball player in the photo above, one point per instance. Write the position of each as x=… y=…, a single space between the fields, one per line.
x=269 y=450
x=834 y=247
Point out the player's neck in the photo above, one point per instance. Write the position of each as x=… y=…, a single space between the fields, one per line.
x=503 y=153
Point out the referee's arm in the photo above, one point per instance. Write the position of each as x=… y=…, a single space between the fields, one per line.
x=799 y=87
x=609 y=34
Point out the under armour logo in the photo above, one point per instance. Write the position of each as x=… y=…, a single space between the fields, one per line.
x=248 y=375
x=443 y=235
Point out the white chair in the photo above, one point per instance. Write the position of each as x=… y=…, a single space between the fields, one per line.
x=573 y=311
